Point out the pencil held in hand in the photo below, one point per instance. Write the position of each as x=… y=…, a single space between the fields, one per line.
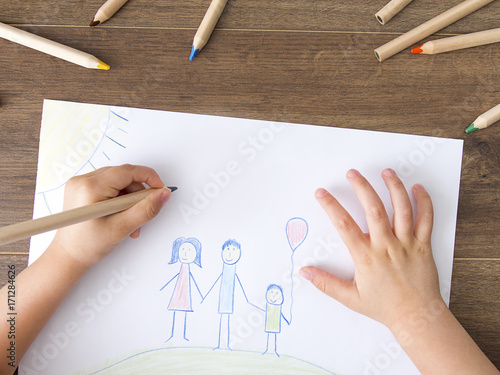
x=106 y=11
x=486 y=119
x=51 y=48
x=30 y=228
x=459 y=42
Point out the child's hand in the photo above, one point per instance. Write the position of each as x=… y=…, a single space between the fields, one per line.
x=91 y=241
x=395 y=274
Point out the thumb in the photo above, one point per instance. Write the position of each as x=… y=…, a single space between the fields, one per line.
x=142 y=212
x=339 y=289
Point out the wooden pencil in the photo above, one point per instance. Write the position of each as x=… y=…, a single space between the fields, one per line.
x=430 y=27
x=390 y=10
x=106 y=11
x=51 y=48
x=30 y=228
x=207 y=26
x=458 y=42
x=486 y=119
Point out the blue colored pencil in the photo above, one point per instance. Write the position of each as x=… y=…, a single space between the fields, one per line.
x=207 y=26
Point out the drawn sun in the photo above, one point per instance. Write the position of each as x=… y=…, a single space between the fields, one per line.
x=76 y=139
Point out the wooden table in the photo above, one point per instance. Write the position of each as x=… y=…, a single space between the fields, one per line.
x=285 y=60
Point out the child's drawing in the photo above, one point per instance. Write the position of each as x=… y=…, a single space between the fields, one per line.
x=274 y=303
x=231 y=253
x=296 y=232
x=185 y=251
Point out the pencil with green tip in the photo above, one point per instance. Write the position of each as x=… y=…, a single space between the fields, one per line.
x=51 y=48
x=207 y=26
x=486 y=119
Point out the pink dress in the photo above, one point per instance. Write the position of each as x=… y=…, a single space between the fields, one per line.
x=181 y=298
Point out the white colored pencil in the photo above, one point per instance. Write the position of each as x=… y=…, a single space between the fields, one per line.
x=428 y=28
x=106 y=11
x=390 y=10
x=51 y=48
x=454 y=43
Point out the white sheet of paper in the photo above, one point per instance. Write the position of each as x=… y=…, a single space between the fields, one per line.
x=238 y=179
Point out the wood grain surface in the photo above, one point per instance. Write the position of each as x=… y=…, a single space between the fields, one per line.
x=286 y=60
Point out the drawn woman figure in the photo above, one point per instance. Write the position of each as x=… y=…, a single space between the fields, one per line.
x=185 y=251
x=274 y=303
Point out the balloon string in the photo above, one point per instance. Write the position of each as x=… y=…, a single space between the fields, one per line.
x=291 y=277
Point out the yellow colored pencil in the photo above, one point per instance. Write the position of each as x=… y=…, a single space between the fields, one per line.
x=454 y=43
x=51 y=48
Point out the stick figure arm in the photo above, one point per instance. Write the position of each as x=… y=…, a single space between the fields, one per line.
x=197 y=288
x=169 y=281
x=203 y=298
x=287 y=322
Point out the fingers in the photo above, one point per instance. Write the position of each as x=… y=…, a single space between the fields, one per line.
x=113 y=180
x=133 y=218
x=376 y=215
x=425 y=214
x=347 y=228
x=403 y=213
x=342 y=290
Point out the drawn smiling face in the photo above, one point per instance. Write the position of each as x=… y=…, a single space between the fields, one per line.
x=231 y=254
x=274 y=296
x=187 y=253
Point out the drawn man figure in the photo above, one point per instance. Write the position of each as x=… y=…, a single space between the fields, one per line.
x=231 y=253
x=274 y=303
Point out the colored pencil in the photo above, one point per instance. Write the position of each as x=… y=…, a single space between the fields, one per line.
x=430 y=27
x=51 y=48
x=486 y=119
x=458 y=42
x=30 y=228
x=207 y=26
x=390 y=10
x=107 y=10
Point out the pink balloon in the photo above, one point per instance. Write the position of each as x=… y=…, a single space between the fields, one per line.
x=296 y=232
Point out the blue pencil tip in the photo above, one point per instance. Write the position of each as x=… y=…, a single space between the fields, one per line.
x=194 y=52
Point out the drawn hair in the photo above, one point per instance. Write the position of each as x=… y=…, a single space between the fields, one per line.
x=274 y=286
x=231 y=242
x=177 y=244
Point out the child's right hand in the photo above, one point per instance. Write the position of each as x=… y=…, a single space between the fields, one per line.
x=90 y=241
x=395 y=274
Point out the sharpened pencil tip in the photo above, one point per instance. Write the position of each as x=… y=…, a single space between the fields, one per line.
x=417 y=49
x=172 y=188
x=471 y=128
x=194 y=52
x=103 y=65
x=94 y=23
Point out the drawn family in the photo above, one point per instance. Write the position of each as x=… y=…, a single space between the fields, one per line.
x=188 y=251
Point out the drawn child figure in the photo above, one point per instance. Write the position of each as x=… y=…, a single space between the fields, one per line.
x=274 y=303
x=231 y=253
x=185 y=251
